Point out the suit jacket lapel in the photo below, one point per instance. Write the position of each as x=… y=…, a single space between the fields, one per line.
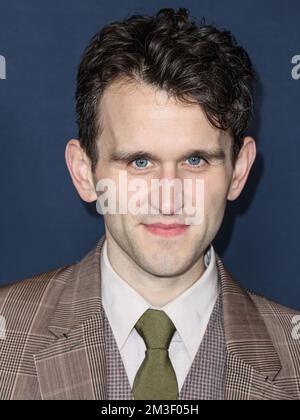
x=73 y=366
x=252 y=361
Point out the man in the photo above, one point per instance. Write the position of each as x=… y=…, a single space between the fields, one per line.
x=151 y=313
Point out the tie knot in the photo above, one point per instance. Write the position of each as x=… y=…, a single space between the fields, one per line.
x=156 y=329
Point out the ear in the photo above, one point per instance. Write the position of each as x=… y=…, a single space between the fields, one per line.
x=242 y=168
x=79 y=166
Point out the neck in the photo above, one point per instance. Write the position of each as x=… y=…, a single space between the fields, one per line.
x=158 y=291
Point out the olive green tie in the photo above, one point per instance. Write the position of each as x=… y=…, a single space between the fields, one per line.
x=156 y=378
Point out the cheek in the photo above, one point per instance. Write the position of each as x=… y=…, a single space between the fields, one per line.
x=215 y=197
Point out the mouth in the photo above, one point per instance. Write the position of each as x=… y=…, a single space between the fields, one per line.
x=166 y=230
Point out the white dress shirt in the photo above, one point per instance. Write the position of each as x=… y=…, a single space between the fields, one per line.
x=189 y=312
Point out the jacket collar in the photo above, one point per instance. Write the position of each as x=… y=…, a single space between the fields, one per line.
x=81 y=297
x=246 y=334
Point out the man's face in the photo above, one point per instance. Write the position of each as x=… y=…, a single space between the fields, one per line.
x=136 y=118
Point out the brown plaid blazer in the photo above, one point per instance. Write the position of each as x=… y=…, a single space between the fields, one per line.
x=55 y=348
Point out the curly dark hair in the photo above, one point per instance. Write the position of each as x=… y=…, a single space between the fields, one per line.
x=191 y=61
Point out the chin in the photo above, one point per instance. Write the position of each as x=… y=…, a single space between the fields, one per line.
x=161 y=268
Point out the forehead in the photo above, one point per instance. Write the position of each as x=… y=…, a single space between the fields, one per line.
x=135 y=115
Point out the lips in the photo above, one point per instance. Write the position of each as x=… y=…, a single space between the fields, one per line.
x=166 y=230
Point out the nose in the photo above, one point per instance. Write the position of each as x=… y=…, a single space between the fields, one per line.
x=167 y=191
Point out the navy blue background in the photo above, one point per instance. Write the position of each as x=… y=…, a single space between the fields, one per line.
x=44 y=224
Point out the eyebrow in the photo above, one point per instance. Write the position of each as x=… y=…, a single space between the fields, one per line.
x=126 y=156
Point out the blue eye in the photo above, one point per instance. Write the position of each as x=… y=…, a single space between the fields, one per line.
x=140 y=163
x=194 y=160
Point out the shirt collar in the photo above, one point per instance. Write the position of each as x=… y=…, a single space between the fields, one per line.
x=123 y=305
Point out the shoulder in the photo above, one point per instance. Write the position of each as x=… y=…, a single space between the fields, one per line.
x=37 y=281
x=26 y=297
x=283 y=325
x=270 y=309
